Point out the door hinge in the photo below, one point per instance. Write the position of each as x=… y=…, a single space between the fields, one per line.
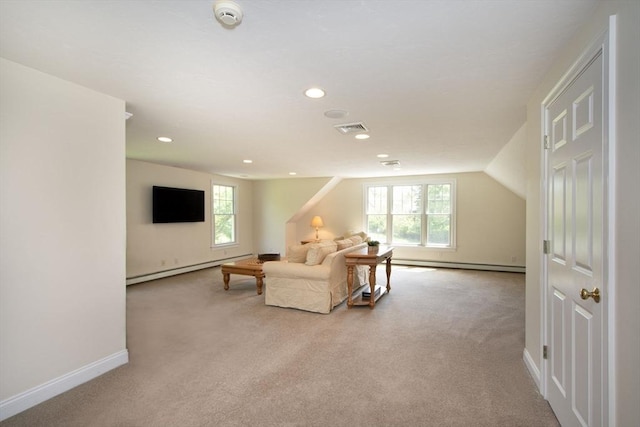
x=546 y=142
x=545 y=351
x=546 y=247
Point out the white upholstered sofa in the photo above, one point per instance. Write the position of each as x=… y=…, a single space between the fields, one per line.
x=313 y=277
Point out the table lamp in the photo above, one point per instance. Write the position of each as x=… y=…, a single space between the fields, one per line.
x=316 y=222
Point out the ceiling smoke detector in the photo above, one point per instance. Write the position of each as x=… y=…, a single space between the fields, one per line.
x=228 y=12
x=336 y=114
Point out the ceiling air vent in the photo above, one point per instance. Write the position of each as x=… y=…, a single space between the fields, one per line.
x=351 y=128
x=390 y=162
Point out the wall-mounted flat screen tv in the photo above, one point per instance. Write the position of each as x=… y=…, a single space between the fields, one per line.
x=177 y=205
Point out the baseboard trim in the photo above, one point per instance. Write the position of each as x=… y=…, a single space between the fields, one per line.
x=460 y=265
x=531 y=366
x=30 y=398
x=181 y=270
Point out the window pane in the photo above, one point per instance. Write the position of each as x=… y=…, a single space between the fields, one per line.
x=377 y=227
x=406 y=229
x=406 y=199
x=377 y=200
x=224 y=229
x=438 y=230
x=439 y=199
x=222 y=199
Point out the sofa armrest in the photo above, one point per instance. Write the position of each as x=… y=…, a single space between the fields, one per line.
x=339 y=266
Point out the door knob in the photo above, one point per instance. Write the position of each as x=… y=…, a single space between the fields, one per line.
x=595 y=294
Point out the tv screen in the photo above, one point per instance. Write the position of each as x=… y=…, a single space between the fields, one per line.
x=177 y=205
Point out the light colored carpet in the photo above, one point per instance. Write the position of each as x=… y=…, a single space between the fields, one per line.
x=444 y=348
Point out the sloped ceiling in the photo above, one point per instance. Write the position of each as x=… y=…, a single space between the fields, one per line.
x=441 y=85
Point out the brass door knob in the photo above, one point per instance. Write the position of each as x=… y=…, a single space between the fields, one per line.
x=595 y=294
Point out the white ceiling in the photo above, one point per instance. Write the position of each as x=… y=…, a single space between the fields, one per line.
x=442 y=85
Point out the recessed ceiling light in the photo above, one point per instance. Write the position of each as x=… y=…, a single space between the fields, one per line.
x=382 y=156
x=292 y=173
x=247 y=161
x=362 y=136
x=314 y=92
x=164 y=139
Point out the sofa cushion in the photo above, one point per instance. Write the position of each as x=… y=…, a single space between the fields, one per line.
x=343 y=244
x=298 y=253
x=318 y=251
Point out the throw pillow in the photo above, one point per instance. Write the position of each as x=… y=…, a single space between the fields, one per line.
x=364 y=236
x=356 y=239
x=318 y=251
x=344 y=244
x=298 y=253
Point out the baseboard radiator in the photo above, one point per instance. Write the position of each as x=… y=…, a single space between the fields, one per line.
x=181 y=270
x=459 y=265
x=396 y=261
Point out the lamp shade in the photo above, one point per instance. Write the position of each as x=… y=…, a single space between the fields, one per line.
x=317 y=222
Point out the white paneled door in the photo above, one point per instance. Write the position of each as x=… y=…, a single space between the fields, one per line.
x=576 y=132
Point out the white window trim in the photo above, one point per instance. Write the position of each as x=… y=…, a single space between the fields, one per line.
x=235 y=216
x=454 y=227
x=423 y=237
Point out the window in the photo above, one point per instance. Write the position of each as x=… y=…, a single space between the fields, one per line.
x=376 y=213
x=406 y=214
x=438 y=213
x=224 y=214
x=414 y=214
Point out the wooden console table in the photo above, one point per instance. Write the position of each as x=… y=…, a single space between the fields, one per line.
x=372 y=259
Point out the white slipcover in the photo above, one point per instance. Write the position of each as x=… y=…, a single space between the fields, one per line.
x=316 y=288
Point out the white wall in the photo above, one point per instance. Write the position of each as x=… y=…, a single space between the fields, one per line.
x=625 y=173
x=277 y=202
x=508 y=166
x=62 y=221
x=155 y=248
x=490 y=220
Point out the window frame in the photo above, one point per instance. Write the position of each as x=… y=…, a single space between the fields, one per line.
x=424 y=216
x=234 y=241
x=452 y=227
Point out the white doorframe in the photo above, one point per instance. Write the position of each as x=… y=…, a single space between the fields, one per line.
x=610 y=379
x=606 y=42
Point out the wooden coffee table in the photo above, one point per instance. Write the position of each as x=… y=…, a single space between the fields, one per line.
x=247 y=267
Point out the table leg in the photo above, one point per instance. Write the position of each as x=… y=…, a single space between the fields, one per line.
x=372 y=285
x=349 y=286
x=389 y=274
x=225 y=278
x=259 y=284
